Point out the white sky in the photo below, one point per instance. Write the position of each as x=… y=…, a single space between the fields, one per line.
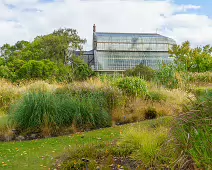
x=25 y=19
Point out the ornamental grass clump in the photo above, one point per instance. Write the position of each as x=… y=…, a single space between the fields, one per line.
x=35 y=110
x=93 y=111
x=193 y=133
x=205 y=77
x=95 y=87
x=49 y=111
x=143 y=144
x=8 y=93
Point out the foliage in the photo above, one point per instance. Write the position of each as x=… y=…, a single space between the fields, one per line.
x=8 y=93
x=193 y=132
x=134 y=86
x=205 y=77
x=8 y=51
x=144 y=144
x=95 y=86
x=52 y=111
x=81 y=70
x=15 y=64
x=141 y=71
x=192 y=60
x=44 y=58
x=5 y=72
x=17 y=69
x=167 y=76
x=2 y=61
x=132 y=145
x=201 y=91
x=156 y=96
x=54 y=46
x=3 y=121
x=40 y=154
x=32 y=69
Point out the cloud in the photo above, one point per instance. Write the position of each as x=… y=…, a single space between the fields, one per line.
x=187 y=7
x=30 y=18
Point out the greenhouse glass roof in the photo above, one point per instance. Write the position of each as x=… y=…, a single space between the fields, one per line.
x=132 y=38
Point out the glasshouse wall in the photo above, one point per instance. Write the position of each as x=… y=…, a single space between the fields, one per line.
x=106 y=60
x=121 y=51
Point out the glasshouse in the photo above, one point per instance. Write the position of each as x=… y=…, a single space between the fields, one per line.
x=122 y=51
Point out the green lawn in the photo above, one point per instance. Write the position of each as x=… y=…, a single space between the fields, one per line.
x=40 y=154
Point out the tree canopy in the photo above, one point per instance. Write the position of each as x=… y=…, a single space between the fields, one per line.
x=55 y=47
x=45 y=57
x=192 y=59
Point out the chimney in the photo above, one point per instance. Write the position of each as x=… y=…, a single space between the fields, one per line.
x=94 y=28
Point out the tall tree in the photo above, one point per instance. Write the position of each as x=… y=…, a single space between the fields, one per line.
x=55 y=46
x=192 y=59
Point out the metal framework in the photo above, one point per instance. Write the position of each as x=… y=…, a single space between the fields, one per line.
x=122 y=51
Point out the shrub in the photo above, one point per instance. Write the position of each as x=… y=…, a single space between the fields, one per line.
x=64 y=73
x=17 y=69
x=2 y=61
x=167 y=76
x=133 y=86
x=81 y=70
x=15 y=64
x=5 y=72
x=50 y=69
x=32 y=69
x=141 y=71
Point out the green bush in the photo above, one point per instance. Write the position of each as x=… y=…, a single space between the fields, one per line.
x=31 y=69
x=2 y=61
x=64 y=73
x=17 y=69
x=133 y=86
x=15 y=64
x=43 y=109
x=167 y=76
x=141 y=71
x=81 y=70
x=5 y=72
